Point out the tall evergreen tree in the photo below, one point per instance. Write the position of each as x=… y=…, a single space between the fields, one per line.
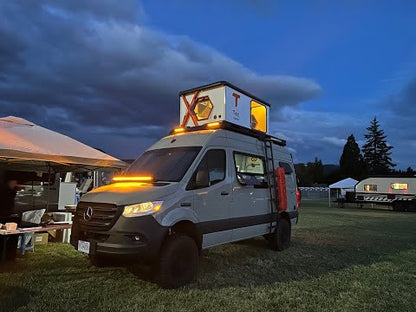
x=316 y=170
x=410 y=172
x=311 y=173
x=351 y=162
x=376 y=151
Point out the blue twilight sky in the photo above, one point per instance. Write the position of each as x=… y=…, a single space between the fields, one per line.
x=102 y=71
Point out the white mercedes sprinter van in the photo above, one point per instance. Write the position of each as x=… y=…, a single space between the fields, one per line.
x=201 y=186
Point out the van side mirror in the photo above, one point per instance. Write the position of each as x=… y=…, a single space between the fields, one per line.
x=201 y=178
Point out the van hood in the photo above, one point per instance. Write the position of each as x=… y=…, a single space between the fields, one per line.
x=128 y=193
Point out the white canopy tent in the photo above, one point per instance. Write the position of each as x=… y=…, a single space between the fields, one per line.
x=26 y=146
x=343 y=186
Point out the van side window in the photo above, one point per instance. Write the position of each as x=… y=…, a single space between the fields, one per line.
x=210 y=170
x=288 y=169
x=249 y=168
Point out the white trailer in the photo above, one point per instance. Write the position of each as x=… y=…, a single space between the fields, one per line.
x=397 y=192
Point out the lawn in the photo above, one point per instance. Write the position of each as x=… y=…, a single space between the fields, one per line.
x=340 y=260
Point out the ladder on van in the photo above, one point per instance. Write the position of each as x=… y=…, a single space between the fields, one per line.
x=271 y=179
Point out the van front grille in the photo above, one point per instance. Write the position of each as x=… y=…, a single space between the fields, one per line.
x=96 y=215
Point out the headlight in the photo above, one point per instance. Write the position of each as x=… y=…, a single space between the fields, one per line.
x=142 y=209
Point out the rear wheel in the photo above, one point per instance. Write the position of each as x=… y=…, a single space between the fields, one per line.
x=178 y=262
x=281 y=237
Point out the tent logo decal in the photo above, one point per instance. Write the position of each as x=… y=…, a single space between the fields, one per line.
x=190 y=110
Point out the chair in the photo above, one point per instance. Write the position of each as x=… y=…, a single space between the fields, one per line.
x=26 y=240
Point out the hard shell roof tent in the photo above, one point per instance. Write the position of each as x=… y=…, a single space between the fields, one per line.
x=224 y=105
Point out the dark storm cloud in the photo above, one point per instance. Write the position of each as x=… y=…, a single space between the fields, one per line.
x=71 y=64
x=404 y=102
x=398 y=113
x=318 y=134
x=10 y=49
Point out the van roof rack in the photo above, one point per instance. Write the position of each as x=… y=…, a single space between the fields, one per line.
x=232 y=127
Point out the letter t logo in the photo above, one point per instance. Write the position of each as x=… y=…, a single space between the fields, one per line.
x=237 y=96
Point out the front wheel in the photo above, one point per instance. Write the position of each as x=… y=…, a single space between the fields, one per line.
x=178 y=262
x=281 y=237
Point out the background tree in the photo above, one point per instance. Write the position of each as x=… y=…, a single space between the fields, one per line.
x=376 y=151
x=310 y=174
x=304 y=178
x=410 y=172
x=317 y=170
x=351 y=163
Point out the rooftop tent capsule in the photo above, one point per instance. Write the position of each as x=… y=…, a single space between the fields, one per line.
x=221 y=101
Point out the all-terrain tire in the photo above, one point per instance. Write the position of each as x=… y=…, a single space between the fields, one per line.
x=281 y=237
x=178 y=263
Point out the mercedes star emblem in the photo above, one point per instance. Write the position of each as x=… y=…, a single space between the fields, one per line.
x=88 y=214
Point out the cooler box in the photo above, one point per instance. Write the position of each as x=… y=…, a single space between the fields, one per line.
x=62 y=217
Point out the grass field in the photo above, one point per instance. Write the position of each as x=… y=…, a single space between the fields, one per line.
x=340 y=260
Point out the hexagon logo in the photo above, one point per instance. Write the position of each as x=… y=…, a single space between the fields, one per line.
x=203 y=108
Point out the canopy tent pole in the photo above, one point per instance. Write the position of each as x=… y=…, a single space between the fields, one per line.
x=49 y=186
x=95 y=176
x=329 y=197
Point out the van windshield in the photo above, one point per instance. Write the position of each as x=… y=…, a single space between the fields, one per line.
x=166 y=164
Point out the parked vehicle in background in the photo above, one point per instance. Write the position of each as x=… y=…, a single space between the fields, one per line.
x=397 y=192
x=216 y=179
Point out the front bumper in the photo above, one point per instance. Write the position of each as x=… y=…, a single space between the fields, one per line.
x=137 y=238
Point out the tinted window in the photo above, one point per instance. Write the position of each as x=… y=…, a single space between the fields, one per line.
x=167 y=164
x=210 y=170
x=288 y=169
x=248 y=164
x=249 y=168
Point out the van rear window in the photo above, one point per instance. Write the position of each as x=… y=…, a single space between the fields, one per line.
x=166 y=164
x=288 y=169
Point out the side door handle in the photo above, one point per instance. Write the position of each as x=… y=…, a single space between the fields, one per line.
x=224 y=193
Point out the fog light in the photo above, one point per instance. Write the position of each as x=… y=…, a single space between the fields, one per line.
x=136 y=238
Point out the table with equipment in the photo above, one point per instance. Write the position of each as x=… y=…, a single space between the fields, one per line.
x=29 y=230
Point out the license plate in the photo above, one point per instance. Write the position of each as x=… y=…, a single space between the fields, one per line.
x=84 y=246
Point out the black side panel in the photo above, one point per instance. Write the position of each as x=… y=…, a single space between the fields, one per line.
x=235 y=223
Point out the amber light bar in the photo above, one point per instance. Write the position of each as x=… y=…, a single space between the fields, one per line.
x=179 y=130
x=213 y=124
x=133 y=179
